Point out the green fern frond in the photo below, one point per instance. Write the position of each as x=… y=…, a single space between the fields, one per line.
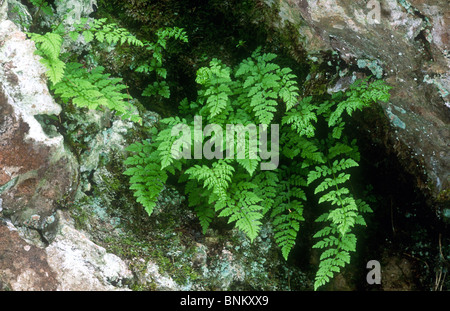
x=267 y=190
x=302 y=118
x=49 y=48
x=287 y=212
x=94 y=89
x=242 y=206
x=102 y=31
x=55 y=69
x=146 y=177
x=216 y=178
x=49 y=44
x=262 y=84
x=336 y=255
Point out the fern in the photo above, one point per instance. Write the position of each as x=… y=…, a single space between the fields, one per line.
x=242 y=206
x=198 y=199
x=95 y=89
x=256 y=92
x=216 y=80
x=146 y=177
x=332 y=176
x=42 y=6
x=49 y=48
x=287 y=212
x=216 y=178
x=262 y=82
x=268 y=189
x=159 y=87
x=302 y=118
x=102 y=31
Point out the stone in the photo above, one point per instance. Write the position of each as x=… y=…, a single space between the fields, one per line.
x=36 y=170
x=71 y=262
x=81 y=265
x=161 y=282
x=18 y=13
x=74 y=10
x=23 y=267
x=404 y=43
x=3 y=10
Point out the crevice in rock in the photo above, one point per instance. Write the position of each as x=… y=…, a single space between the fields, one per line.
x=43 y=238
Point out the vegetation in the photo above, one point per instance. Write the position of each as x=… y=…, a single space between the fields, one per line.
x=254 y=93
x=316 y=158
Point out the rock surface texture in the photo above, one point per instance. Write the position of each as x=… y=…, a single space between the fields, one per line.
x=406 y=43
x=39 y=249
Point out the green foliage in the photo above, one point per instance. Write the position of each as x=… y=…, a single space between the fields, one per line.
x=49 y=48
x=93 y=88
x=160 y=86
x=42 y=6
x=102 y=31
x=256 y=92
x=147 y=179
x=288 y=205
x=264 y=82
x=330 y=175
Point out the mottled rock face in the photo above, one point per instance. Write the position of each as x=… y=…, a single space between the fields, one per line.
x=81 y=265
x=35 y=170
x=71 y=262
x=39 y=248
x=405 y=43
x=23 y=266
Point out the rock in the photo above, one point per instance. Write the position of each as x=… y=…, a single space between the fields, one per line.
x=39 y=249
x=18 y=13
x=161 y=282
x=74 y=10
x=397 y=274
x=405 y=43
x=23 y=267
x=81 y=265
x=3 y=10
x=71 y=262
x=36 y=170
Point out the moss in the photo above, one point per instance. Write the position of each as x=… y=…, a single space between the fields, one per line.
x=444 y=196
x=171 y=256
x=80 y=215
x=372 y=65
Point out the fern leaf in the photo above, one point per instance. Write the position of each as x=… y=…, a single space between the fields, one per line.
x=242 y=207
x=55 y=69
x=146 y=177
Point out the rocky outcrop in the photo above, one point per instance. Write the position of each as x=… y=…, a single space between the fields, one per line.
x=23 y=266
x=405 y=43
x=71 y=262
x=39 y=249
x=81 y=265
x=69 y=222
x=36 y=171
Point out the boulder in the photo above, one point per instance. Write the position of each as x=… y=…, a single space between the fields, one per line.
x=36 y=170
x=71 y=262
x=39 y=248
x=81 y=265
x=23 y=266
x=405 y=43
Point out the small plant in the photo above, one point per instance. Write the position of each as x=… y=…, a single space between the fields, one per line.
x=160 y=86
x=93 y=88
x=42 y=6
x=256 y=92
